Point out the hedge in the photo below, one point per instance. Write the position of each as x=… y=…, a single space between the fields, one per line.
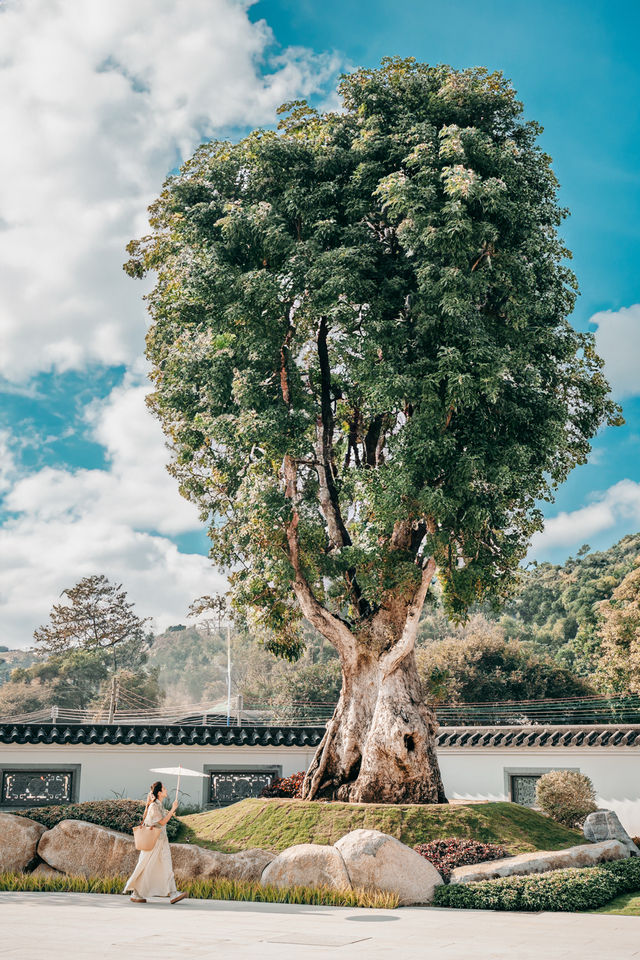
x=122 y=815
x=567 y=890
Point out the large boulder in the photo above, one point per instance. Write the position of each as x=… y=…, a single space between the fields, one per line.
x=541 y=861
x=376 y=861
x=605 y=825
x=190 y=862
x=307 y=865
x=84 y=849
x=44 y=870
x=19 y=838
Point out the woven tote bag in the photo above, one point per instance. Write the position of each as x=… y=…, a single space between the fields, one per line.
x=145 y=837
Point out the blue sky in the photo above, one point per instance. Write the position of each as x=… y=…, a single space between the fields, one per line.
x=97 y=108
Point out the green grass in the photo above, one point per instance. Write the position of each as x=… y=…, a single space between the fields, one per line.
x=277 y=824
x=628 y=905
x=206 y=890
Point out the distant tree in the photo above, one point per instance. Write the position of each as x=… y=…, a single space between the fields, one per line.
x=71 y=680
x=95 y=616
x=136 y=691
x=618 y=669
x=363 y=362
x=482 y=666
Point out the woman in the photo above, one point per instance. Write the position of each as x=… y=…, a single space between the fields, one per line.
x=153 y=875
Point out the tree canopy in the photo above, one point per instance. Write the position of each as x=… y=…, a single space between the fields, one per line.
x=360 y=344
x=95 y=617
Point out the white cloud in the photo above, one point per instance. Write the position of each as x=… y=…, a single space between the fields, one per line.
x=99 y=99
x=618 y=343
x=66 y=524
x=621 y=502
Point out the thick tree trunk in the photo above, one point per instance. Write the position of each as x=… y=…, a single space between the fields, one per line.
x=380 y=743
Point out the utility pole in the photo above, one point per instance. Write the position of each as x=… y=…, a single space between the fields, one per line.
x=113 y=701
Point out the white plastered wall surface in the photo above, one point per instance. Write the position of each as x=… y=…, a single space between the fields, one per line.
x=470 y=774
x=477 y=774
x=121 y=770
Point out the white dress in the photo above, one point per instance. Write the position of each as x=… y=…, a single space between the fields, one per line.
x=153 y=875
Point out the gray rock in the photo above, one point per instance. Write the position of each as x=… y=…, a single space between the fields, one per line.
x=541 y=861
x=605 y=825
x=376 y=861
x=19 y=838
x=307 y=865
x=85 y=849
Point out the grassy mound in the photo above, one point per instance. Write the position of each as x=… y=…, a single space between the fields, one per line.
x=277 y=824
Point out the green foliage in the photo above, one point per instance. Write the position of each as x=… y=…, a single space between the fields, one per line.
x=91 y=637
x=478 y=664
x=359 y=327
x=122 y=815
x=558 y=607
x=619 y=665
x=206 y=890
x=567 y=796
x=278 y=824
x=95 y=617
x=560 y=890
x=70 y=680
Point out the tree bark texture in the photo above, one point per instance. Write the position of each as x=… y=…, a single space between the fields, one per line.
x=379 y=746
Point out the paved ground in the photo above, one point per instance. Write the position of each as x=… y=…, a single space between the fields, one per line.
x=34 y=926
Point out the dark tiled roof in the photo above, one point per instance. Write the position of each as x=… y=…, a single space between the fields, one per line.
x=160 y=735
x=576 y=735
x=465 y=738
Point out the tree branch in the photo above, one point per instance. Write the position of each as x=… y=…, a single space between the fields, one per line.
x=329 y=502
x=333 y=628
x=391 y=660
x=327 y=489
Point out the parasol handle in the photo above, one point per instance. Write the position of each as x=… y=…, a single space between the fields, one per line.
x=178 y=788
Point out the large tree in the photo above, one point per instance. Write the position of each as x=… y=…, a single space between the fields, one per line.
x=363 y=364
x=95 y=616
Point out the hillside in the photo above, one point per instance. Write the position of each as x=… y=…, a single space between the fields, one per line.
x=556 y=606
x=12 y=659
x=277 y=824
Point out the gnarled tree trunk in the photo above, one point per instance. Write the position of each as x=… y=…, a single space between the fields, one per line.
x=379 y=746
x=380 y=743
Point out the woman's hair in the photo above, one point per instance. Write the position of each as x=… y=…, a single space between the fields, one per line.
x=156 y=788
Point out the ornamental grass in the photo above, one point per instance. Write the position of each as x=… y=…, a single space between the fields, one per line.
x=220 y=889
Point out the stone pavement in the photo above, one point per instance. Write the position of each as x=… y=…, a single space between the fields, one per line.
x=65 y=926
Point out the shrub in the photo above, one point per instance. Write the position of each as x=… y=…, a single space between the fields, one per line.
x=566 y=796
x=453 y=852
x=122 y=815
x=285 y=786
x=560 y=890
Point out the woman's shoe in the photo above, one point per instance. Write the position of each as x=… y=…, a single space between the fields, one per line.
x=137 y=899
x=177 y=897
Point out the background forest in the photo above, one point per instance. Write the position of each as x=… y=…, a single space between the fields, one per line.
x=570 y=630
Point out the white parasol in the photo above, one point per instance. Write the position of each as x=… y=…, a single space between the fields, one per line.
x=178 y=772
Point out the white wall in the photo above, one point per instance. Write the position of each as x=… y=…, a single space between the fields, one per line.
x=125 y=770
x=470 y=774
x=615 y=773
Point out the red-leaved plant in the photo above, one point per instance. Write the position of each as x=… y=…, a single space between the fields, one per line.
x=453 y=852
x=285 y=787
